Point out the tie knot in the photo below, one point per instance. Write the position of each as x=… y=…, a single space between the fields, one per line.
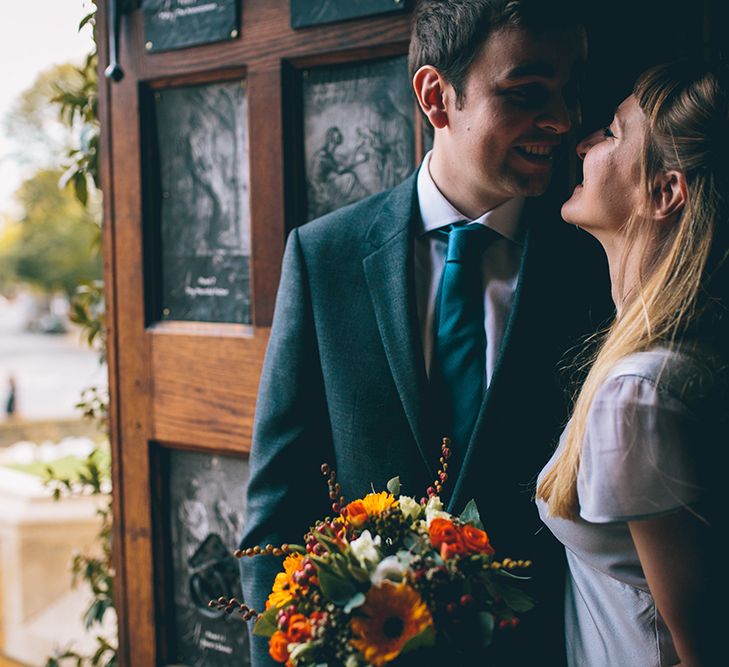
x=467 y=242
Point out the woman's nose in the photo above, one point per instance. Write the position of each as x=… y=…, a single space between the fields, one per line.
x=586 y=144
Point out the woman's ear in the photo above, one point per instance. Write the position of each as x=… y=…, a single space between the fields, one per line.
x=429 y=86
x=669 y=195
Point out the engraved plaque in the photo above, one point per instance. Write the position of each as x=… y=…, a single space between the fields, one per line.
x=314 y=12
x=206 y=507
x=204 y=215
x=358 y=132
x=176 y=24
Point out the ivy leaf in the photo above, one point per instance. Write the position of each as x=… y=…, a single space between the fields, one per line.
x=266 y=625
x=393 y=486
x=422 y=640
x=357 y=600
x=486 y=624
x=515 y=599
x=337 y=589
x=470 y=515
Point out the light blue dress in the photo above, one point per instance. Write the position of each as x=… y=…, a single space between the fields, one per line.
x=641 y=457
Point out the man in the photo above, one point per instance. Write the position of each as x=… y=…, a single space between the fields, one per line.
x=361 y=370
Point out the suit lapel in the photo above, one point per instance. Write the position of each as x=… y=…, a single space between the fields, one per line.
x=389 y=274
x=518 y=318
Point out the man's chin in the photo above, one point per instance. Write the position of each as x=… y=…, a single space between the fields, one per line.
x=531 y=187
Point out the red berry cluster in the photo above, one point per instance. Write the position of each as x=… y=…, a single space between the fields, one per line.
x=442 y=475
x=306 y=573
x=233 y=605
x=335 y=490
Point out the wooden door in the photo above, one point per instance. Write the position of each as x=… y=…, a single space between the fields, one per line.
x=210 y=153
x=206 y=165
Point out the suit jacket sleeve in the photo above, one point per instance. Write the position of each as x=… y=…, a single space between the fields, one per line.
x=291 y=438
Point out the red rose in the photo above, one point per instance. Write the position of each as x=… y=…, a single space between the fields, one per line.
x=451 y=549
x=443 y=531
x=278 y=646
x=299 y=629
x=476 y=540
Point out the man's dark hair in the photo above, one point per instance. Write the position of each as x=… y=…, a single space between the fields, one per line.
x=449 y=34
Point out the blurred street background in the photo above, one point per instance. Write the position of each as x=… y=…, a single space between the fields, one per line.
x=55 y=568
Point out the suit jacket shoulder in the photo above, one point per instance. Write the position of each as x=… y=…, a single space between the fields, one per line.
x=361 y=224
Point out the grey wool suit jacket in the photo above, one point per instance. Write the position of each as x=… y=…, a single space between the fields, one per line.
x=344 y=382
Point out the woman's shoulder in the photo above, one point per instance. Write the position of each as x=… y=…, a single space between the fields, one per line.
x=691 y=374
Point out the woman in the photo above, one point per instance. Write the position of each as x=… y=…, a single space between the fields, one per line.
x=632 y=490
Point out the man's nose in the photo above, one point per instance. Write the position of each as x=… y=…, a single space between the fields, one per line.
x=557 y=117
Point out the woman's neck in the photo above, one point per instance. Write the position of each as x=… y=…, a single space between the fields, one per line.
x=623 y=269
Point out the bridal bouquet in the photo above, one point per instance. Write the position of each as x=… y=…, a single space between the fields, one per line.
x=385 y=576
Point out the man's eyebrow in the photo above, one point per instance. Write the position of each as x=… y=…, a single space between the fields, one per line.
x=543 y=69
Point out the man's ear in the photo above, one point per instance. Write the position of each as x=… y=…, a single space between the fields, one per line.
x=430 y=89
x=669 y=195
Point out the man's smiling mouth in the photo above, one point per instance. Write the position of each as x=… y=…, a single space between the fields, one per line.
x=537 y=153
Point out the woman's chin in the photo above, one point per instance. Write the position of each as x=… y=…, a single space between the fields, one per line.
x=569 y=211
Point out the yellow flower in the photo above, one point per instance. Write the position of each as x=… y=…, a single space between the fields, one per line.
x=284 y=587
x=359 y=512
x=392 y=615
x=377 y=503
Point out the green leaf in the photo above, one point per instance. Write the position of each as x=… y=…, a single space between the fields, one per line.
x=86 y=19
x=305 y=650
x=337 y=589
x=266 y=624
x=358 y=573
x=470 y=515
x=422 y=640
x=515 y=599
x=357 y=600
x=486 y=625
x=331 y=543
x=80 y=187
x=393 y=486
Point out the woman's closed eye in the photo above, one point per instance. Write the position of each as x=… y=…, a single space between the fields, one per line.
x=607 y=132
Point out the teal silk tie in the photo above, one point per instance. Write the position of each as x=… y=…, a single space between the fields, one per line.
x=459 y=351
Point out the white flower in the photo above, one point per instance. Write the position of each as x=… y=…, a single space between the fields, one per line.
x=351 y=661
x=434 y=510
x=409 y=507
x=365 y=549
x=389 y=569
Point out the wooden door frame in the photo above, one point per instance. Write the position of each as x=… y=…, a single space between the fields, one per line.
x=152 y=400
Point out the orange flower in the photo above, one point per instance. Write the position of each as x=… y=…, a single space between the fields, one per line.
x=299 y=629
x=476 y=540
x=278 y=646
x=451 y=549
x=443 y=531
x=357 y=513
x=391 y=616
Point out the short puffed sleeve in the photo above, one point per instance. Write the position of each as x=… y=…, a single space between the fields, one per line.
x=640 y=452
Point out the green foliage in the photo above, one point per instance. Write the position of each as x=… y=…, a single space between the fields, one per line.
x=77 y=100
x=87 y=310
x=51 y=244
x=37 y=135
x=96 y=571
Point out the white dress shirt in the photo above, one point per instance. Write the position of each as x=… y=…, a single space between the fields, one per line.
x=500 y=269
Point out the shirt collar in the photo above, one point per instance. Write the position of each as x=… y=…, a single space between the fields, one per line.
x=436 y=211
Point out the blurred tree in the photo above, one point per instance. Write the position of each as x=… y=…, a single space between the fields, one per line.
x=38 y=136
x=50 y=246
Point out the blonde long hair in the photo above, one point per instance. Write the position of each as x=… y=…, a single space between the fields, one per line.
x=688 y=130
